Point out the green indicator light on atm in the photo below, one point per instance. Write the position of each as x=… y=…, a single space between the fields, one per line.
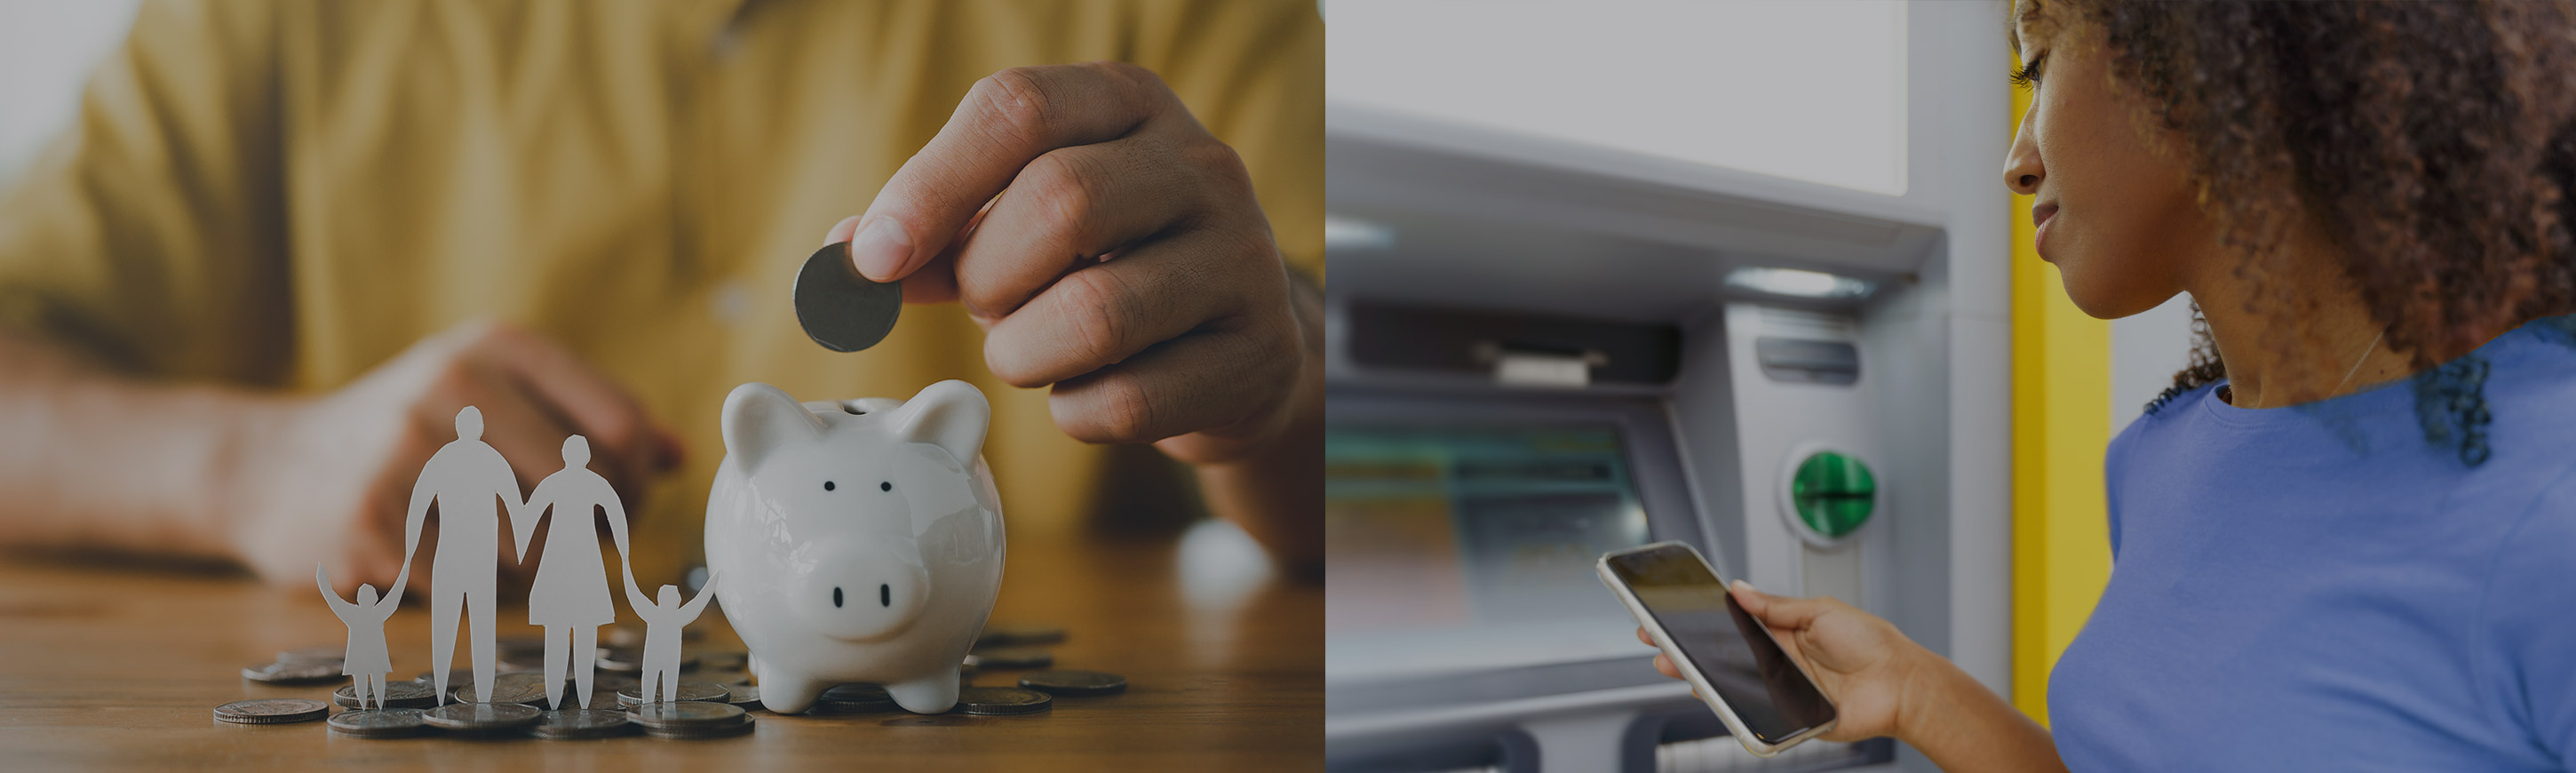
x=1833 y=493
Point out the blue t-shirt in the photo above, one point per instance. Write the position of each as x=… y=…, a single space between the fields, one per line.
x=2333 y=586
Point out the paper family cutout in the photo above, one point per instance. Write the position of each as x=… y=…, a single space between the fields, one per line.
x=570 y=598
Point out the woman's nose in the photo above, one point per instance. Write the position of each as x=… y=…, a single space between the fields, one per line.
x=2022 y=169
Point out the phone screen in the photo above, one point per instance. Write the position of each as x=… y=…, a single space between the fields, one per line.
x=1734 y=654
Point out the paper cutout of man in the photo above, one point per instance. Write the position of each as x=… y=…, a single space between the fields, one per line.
x=466 y=477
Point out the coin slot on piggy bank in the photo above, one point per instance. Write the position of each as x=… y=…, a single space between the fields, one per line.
x=866 y=536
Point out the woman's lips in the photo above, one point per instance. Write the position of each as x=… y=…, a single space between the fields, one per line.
x=2040 y=217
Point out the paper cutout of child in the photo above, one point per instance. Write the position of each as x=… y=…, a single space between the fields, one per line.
x=366 y=661
x=662 y=624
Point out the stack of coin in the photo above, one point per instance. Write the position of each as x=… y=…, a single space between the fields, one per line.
x=483 y=718
x=692 y=719
x=455 y=678
x=380 y=723
x=272 y=711
x=397 y=695
x=575 y=724
x=1001 y=701
x=522 y=653
x=1010 y=658
x=290 y=673
x=689 y=691
x=854 y=698
x=745 y=695
x=509 y=688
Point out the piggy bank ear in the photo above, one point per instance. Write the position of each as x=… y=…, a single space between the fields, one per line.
x=759 y=418
x=948 y=414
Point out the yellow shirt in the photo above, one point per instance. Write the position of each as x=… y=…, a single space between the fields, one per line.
x=287 y=193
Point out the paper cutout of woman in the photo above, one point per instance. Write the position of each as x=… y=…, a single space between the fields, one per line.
x=570 y=598
x=366 y=661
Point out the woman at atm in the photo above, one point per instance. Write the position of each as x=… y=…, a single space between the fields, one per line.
x=2346 y=536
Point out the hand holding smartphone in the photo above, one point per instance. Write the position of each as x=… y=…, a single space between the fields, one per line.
x=1762 y=695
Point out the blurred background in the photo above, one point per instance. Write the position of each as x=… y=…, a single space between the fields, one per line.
x=1617 y=272
x=47 y=48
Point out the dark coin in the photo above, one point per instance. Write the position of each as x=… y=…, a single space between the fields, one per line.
x=379 y=723
x=692 y=719
x=571 y=724
x=1074 y=682
x=282 y=672
x=1013 y=635
x=747 y=696
x=1010 y=657
x=1001 y=701
x=272 y=711
x=482 y=718
x=840 y=309
x=320 y=653
x=510 y=688
x=689 y=691
x=854 y=698
x=397 y=695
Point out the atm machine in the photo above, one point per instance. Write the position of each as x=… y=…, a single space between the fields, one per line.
x=1540 y=351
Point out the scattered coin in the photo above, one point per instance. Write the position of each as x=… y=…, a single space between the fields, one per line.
x=1001 y=701
x=689 y=691
x=570 y=724
x=320 y=653
x=1010 y=657
x=1018 y=634
x=379 y=723
x=840 y=309
x=509 y=688
x=397 y=695
x=1074 y=682
x=692 y=719
x=272 y=711
x=747 y=696
x=854 y=698
x=283 y=672
x=482 y=718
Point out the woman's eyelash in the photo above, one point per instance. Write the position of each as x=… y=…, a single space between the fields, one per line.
x=2027 y=76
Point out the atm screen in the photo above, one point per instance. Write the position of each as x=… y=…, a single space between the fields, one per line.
x=1465 y=544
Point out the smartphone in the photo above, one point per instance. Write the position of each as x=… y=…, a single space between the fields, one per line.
x=1740 y=671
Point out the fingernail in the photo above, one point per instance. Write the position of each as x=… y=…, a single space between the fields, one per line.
x=1741 y=585
x=881 y=249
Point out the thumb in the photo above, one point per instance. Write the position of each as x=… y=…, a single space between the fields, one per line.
x=1782 y=612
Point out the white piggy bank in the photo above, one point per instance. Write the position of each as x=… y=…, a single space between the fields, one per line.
x=859 y=541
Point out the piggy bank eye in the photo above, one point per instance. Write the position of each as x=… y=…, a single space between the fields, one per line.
x=885 y=486
x=827 y=485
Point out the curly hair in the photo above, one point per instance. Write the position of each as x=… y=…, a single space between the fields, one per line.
x=2433 y=145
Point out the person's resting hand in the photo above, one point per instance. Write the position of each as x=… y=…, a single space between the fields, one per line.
x=1112 y=248
x=1865 y=666
x=331 y=475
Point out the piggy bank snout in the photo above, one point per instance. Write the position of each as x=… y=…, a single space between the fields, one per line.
x=861 y=592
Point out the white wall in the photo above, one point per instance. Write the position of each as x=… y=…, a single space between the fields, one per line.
x=1809 y=90
x=2146 y=350
x=47 y=48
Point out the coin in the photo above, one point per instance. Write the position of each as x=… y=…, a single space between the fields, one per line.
x=612 y=682
x=1001 y=701
x=320 y=653
x=624 y=660
x=397 y=695
x=692 y=719
x=379 y=723
x=582 y=723
x=457 y=678
x=1017 y=634
x=509 y=688
x=282 y=672
x=272 y=711
x=1010 y=657
x=1074 y=682
x=854 y=698
x=840 y=309
x=689 y=691
x=747 y=696
x=482 y=718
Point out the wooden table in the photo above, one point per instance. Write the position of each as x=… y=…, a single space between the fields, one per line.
x=119 y=666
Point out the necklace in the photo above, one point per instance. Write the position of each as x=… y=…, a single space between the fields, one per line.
x=2356 y=365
